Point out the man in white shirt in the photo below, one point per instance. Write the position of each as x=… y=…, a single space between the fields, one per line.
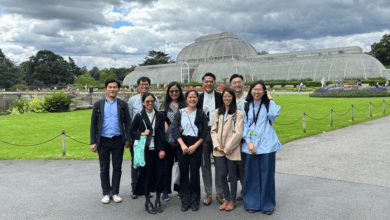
x=135 y=107
x=209 y=100
x=237 y=84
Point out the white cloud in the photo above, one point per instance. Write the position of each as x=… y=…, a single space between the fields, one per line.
x=83 y=29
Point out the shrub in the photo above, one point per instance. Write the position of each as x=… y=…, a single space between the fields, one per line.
x=35 y=105
x=58 y=102
x=19 y=106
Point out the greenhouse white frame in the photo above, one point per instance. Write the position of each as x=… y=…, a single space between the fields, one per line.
x=225 y=54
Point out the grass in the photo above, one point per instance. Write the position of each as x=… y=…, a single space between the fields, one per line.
x=36 y=128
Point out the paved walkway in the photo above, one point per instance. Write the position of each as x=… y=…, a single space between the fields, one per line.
x=343 y=174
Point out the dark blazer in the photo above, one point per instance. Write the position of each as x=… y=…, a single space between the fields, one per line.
x=97 y=121
x=200 y=123
x=218 y=100
x=138 y=127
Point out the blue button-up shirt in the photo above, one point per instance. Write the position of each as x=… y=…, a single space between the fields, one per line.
x=110 y=126
x=135 y=105
x=261 y=133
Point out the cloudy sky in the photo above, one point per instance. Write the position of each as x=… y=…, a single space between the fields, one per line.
x=119 y=33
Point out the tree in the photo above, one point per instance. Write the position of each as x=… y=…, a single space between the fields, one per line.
x=9 y=73
x=381 y=50
x=85 y=79
x=95 y=73
x=107 y=74
x=73 y=68
x=48 y=69
x=156 y=57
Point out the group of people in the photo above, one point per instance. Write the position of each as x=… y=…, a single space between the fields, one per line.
x=233 y=127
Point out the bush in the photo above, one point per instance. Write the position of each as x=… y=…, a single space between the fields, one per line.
x=58 y=102
x=19 y=106
x=35 y=105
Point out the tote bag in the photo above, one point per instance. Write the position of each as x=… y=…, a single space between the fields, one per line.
x=139 y=152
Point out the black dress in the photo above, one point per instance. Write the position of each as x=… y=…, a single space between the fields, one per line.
x=151 y=177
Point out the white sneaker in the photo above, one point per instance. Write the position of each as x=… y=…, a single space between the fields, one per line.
x=106 y=199
x=116 y=198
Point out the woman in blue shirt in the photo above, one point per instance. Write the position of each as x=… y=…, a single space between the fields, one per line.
x=261 y=143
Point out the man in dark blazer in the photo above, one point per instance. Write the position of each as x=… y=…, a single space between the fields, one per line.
x=209 y=100
x=110 y=132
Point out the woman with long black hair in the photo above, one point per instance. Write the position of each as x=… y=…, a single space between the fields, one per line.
x=189 y=129
x=226 y=134
x=174 y=100
x=261 y=144
x=150 y=123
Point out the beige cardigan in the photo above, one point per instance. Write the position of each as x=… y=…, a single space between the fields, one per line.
x=231 y=139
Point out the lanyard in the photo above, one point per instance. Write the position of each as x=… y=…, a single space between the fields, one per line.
x=255 y=117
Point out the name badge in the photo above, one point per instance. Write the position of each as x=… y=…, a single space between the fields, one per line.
x=253 y=133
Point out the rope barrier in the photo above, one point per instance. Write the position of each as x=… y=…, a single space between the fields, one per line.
x=318 y=118
x=81 y=142
x=30 y=145
x=341 y=114
x=290 y=123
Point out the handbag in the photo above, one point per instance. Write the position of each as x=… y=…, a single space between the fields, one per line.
x=169 y=136
x=139 y=152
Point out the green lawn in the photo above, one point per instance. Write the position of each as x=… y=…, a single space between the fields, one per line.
x=36 y=128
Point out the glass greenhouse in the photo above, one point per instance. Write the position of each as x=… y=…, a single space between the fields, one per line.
x=224 y=54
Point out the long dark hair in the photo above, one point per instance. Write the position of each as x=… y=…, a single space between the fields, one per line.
x=233 y=105
x=264 y=99
x=181 y=101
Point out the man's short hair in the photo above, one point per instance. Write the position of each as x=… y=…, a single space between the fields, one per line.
x=112 y=81
x=143 y=79
x=209 y=74
x=236 y=76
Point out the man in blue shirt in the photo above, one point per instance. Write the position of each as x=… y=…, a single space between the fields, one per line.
x=135 y=107
x=110 y=132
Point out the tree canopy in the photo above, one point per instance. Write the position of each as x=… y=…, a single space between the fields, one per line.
x=156 y=57
x=48 y=69
x=381 y=50
x=9 y=73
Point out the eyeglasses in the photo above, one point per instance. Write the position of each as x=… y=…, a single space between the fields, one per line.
x=174 y=91
x=149 y=101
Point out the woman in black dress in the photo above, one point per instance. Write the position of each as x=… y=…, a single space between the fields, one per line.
x=150 y=123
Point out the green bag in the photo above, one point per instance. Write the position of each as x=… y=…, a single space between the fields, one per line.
x=139 y=152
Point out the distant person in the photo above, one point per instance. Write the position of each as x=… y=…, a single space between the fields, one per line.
x=150 y=123
x=190 y=129
x=237 y=84
x=135 y=106
x=226 y=134
x=209 y=100
x=323 y=83
x=359 y=83
x=174 y=100
x=110 y=132
x=261 y=144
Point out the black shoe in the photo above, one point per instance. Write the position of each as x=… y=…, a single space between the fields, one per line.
x=270 y=212
x=184 y=208
x=251 y=211
x=195 y=208
x=157 y=206
x=133 y=196
x=149 y=208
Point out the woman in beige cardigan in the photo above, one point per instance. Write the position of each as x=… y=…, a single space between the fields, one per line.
x=226 y=133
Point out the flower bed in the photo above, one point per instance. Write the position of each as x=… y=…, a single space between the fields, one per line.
x=350 y=93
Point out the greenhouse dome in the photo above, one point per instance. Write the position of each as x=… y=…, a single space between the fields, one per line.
x=225 y=54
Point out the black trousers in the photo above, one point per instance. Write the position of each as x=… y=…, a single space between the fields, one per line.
x=151 y=177
x=134 y=172
x=168 y=165
x=189 y=166
x=110 y=147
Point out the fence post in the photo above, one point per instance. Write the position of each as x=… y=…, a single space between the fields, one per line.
x=63 y=143
x=370 y=109
x=304 y=122
x=331 y=117
x=384 y=106
x=353 y=112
